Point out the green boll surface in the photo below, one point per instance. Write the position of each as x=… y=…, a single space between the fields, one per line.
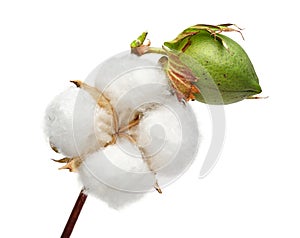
x=225 y=74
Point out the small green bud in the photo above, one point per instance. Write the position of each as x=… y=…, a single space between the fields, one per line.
x=139 y=41
x=210 y=67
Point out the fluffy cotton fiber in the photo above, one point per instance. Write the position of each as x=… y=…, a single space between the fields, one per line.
x=74 y=123
x=130 y=81
x=168 y=137
x=149 y=155
x=117 y=174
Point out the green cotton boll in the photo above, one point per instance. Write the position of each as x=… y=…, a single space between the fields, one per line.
x=212 y=63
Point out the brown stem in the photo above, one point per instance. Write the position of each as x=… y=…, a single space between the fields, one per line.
x=129 y=126
x=74 y=215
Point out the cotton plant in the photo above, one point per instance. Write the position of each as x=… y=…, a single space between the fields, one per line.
x=128 y=129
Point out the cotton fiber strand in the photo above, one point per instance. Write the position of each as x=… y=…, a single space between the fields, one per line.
x=117 y=174
x=73 y=123
x=167 y=138
x=130 y=81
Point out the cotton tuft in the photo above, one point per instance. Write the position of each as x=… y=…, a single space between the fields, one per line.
x=117 y=174
x=75 y=125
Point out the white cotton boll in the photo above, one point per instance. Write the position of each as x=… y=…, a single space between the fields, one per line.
x=141 y=140
x=75 y=125
x=168 y=134
x=118 y=175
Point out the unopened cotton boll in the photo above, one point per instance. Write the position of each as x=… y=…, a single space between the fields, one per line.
x=117 y=174
x=75 y=125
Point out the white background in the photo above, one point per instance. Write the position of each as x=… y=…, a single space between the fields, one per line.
x=254 y=189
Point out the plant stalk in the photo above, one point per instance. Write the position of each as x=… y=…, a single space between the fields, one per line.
x=74 y=215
